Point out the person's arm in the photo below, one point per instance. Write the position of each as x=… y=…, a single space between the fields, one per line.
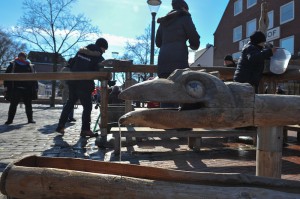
x=192 y=34
x=158 y=38
x=256 y=56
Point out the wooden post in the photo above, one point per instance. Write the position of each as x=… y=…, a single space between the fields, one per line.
x=128 y=83
x=104 y=108
x=269 y=151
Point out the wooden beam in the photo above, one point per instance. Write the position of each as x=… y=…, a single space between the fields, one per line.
x=226 y=73
x=269 y=151
x=44 y=177
x=56 y=76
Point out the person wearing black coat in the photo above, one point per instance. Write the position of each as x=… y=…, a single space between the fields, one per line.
x=229 y=62
x=175 y=29
x=86 y=60
x=251 y=63
x=17 y=91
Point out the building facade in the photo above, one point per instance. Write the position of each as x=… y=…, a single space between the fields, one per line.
x=241 y=19
x=204 y=57
x=43 y=61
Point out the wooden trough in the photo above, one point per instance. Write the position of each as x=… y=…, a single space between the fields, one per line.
x=45 y=177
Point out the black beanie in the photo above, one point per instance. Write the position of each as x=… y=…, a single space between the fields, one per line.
x=228 y=58
x=178 y=4
x=257 y=37
x=101 y=42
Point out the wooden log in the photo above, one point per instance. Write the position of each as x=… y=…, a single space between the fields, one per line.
x=55 y=76
x=274 y=110
x=269 y=151
x=128 y=83
x=104 y=108
x=42 y=177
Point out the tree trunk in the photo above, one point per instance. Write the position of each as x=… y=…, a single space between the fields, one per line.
x=55 y=63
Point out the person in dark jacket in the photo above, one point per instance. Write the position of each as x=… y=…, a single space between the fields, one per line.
x=251 y=63
x=175 y=29
x=86 y=60
x=229 y=62
x=113 y=96
x=18 y=91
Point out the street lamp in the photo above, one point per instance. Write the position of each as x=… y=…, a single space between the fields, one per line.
x=153 y=6
x=115 y=56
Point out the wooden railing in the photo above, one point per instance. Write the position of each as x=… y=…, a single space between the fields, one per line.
x=104 y=75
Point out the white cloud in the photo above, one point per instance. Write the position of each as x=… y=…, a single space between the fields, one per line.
x=118 y=41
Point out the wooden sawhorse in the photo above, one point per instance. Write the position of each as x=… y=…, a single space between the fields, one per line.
x=194 y=136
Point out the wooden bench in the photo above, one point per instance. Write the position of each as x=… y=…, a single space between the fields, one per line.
x=291 y=128
x=194 y=136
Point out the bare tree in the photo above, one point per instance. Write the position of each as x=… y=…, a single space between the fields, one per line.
x=140 y=52
x=9 y=48
x=51 y=27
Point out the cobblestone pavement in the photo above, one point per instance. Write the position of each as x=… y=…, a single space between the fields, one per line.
x=21 y=139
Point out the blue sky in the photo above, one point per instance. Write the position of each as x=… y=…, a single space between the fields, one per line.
x=122 y=20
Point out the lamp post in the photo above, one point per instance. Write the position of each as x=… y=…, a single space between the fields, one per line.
x=153 y=6
x=115 y=56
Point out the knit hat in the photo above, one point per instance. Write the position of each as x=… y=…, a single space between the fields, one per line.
x=228 y=58
x=101 y=42
x=178 y=4
x=257 y=37
x=22 y=54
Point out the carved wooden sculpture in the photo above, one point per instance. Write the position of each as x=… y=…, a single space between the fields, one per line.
x=264 y=19
x=218 y=104
x=69 y=178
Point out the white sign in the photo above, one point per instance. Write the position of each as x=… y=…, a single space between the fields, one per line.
x=243 y=42
x=273 y=34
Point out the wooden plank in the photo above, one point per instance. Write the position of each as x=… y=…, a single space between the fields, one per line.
x=200 y=132
x=197 y=133
x=56 y=76
x=104 y=108
x=292 y=127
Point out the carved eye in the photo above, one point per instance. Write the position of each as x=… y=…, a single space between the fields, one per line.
x=195 y=89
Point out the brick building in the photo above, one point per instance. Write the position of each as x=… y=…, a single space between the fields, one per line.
x=241 y=18
x=43 y=61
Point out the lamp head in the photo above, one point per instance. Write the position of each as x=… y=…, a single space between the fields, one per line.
x=154 y=5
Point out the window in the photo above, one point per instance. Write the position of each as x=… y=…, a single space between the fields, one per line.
x=251 y=27
x=251 y=3
x=237 y=33
x=238 y=7
x=271 y=19
x=288 y=44
x=236 y=56
x=287 y=12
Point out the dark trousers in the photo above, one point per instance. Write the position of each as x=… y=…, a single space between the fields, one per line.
x=71 y=115
x=84 y=95
x=18 y=95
